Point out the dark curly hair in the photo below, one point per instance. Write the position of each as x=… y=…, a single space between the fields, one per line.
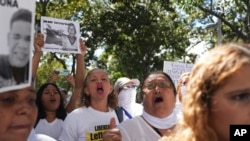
x=61 y=111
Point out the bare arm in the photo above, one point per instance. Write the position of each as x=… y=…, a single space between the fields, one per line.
x=38 y=44
x=80 y=74
x=54 y=77
x=70 y=80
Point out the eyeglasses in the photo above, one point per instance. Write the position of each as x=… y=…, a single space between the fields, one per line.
x=129 y=87
x=162 y=84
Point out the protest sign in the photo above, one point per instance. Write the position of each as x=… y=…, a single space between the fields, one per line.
x=60 y=35
x=17 y=28
x=175 y=69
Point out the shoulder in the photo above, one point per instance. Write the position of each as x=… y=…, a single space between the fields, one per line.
x=39 y=137
x=4 y=58
x=79 y=110
x=138 y=106
x=42 y=137
x=77 y=113
x=130 y=122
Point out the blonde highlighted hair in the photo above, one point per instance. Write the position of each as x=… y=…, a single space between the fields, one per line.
x=86 y=99
x=208 y=75
x=180 y=83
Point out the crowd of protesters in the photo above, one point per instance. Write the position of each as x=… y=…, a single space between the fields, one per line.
x=206 y=101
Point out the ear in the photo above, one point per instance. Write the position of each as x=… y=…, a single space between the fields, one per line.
x=86 y=90
x=116 y=93
x=111 y=88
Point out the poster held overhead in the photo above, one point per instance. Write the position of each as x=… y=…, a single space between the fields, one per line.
x=60 y=35
x=17 y=28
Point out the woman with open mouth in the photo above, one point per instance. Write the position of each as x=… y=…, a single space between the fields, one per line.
x=159 y=116
x=51 y=111
x=97 y=110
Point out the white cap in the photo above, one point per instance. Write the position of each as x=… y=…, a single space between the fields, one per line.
x=124 y=80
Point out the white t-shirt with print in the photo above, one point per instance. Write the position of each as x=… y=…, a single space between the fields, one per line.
x=86 y=124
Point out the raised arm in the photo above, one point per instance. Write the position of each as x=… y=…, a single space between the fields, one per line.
x=38 y=44
x=80 y=74
x=70 y=80
x=54 y=76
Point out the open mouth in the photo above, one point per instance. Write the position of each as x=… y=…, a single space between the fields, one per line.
x=52 y=100
x=158 y=100
x=100 y=89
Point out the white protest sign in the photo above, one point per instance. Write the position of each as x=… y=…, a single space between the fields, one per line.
x=17 y=28
x=60 y=35
x=175 y=69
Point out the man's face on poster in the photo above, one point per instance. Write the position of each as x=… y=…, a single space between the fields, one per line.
x=19 y=39
x=71 y=30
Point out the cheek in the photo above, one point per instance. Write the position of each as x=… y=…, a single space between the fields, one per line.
x=220 y=110
x=222 y=115
x=58 y=97
x=169 y=98
x=5 y=121
x=12 y=43
x=34 y=114
x=226 y=112
x=147 y=100
x=45 y=98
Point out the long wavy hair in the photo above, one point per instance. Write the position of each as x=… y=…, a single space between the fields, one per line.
x=86 y=99
x=60 y=112
x=207 y=76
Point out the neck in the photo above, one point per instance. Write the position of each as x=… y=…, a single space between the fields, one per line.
x=50 y=116
x=100 y=106
x=166 y=132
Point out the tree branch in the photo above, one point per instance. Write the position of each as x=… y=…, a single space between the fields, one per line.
x=240 y=34
x=59 y=60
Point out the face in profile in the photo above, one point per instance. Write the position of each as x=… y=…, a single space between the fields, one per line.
x=19 y=43
x=231 y=103
x=18 y=114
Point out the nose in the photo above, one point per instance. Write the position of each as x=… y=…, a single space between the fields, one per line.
x=23 y=108
x=157 y=89
x=23 y=43
x=99 y=81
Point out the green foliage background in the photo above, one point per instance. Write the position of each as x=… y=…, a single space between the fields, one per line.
x=138 y=35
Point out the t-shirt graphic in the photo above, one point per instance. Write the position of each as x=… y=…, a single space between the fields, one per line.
x=97 y=134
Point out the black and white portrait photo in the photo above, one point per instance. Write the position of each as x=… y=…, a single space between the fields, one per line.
x=16 y=38
x=60 y=35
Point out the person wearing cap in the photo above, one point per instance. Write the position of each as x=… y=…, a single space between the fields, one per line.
x=125 y=89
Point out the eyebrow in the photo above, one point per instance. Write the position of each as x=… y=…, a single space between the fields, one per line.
x=239 y=91
x=158 y=80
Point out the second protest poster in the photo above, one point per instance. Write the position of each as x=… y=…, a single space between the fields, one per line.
x=60 y=35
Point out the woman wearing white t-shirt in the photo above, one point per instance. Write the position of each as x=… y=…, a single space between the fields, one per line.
x=88 y=122
x=51 y=111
